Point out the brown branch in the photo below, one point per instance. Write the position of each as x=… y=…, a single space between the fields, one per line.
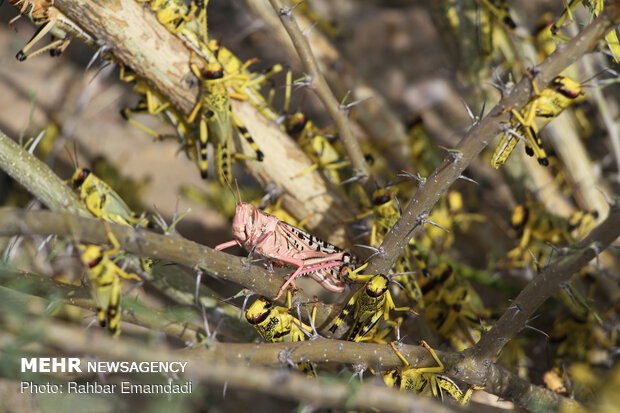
x=48 y=289
x=323 y=91
x=545 y=285
x=149 y=244
x=479 y=136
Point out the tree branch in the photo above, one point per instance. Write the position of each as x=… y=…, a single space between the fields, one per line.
x=146 y=243
x=48 y=289
x=497 y=380
x=283 y=383
x=322 y=89
x=38 y=178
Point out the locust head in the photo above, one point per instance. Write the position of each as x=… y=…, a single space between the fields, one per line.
x=244 y=222
x=92 y=255
x=259 y=311
x=216 y=102
x=79 y=177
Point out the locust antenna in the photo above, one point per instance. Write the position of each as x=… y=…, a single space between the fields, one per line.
x=238 y=191
x=237 y=201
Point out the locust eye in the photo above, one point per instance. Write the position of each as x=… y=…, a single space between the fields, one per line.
x=93 y=263
x=258 y=318
x=374 y=292
x=262 y=314
x=79 y=180
x=296 y=123
x=382 y=199
x=214 y=74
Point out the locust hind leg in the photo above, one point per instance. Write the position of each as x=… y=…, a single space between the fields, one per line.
x=535 y=147
x=344 y=313
x=23 y=55
x=505 y=146
x=248 y=137
x=140 y=109
x=223 y=163
x=203 y=164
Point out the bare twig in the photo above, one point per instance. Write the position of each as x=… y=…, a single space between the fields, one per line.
x=373 y=114
x=323 y=91
x=46 y=288
x=498 y=380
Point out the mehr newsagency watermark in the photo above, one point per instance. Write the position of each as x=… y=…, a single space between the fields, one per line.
x=77 y=365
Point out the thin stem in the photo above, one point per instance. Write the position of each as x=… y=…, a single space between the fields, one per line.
x=319 y=84
x=373 y=112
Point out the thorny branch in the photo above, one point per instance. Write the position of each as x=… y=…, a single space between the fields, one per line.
x=146 y=243
x=46 y=288
x=473 y=369
x=223 y=361
x=503 y=383
x=322 y=89
x=38 y=178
